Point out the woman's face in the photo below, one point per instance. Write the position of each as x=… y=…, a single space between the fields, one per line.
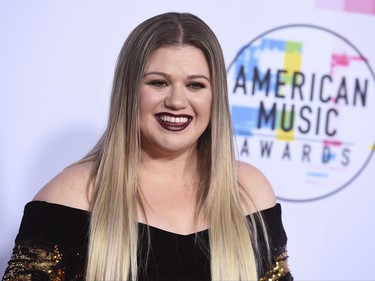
x=175 y=100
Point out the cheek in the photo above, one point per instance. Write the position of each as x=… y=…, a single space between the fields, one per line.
x=203 y=105
x=146 y=103
x=142 y=106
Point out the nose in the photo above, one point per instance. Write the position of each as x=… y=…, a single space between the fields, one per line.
x=176 y=98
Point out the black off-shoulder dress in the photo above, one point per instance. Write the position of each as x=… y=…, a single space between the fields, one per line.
x=52 y=245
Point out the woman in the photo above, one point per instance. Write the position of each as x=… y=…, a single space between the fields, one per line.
x=160 y=197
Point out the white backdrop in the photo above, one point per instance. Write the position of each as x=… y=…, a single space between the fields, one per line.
x=56 y=65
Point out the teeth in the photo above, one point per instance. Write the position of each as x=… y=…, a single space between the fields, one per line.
x=177 y=120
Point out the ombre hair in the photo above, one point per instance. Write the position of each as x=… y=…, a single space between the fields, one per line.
x=112 y=250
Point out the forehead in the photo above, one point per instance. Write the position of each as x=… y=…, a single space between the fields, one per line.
x=185 y=58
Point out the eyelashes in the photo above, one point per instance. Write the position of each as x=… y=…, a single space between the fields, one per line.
x=196 y=85
x=157 y=83
x=160 y=83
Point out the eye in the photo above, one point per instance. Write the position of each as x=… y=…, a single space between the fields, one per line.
x=157 y=83
x=196 y=85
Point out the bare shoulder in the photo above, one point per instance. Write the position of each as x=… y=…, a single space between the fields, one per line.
x=257 y=192
x=68 y=188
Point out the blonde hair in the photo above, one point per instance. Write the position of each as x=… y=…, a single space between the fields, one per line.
x=112 y=251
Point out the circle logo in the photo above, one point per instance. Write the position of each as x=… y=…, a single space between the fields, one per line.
x=303 y=103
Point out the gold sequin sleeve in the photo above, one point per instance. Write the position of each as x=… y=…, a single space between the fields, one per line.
x=33 y=260
x=279 y=269
x=51 y=244
x=29 y=262
x=275 y=267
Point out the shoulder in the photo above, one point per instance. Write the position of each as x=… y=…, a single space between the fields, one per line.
x=69 y=188
x=256 y=191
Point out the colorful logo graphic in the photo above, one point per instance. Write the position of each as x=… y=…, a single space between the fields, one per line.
x=303 y=106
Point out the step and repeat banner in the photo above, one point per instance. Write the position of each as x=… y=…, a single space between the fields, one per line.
x=302 y=98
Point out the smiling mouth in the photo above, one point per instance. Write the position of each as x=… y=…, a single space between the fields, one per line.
x=173 y=122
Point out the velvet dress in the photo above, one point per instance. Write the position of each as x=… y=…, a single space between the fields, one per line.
x=52 y=245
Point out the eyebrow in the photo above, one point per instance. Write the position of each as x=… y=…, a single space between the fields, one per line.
x=166 y=75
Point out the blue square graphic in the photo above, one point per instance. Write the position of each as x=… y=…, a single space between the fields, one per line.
x=244 y=120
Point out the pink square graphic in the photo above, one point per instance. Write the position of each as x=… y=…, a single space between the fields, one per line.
x=330 y=4
x=360 y=6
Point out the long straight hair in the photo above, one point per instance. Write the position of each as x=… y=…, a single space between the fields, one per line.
x=112 y=251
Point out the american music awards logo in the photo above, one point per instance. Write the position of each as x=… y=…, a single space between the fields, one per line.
x=303 y=107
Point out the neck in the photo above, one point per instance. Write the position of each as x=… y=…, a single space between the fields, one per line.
x=176 y=169
x=168 y=187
